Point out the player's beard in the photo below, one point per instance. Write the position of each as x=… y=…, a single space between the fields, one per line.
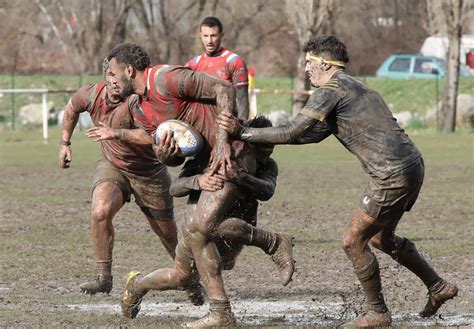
x=127 y=89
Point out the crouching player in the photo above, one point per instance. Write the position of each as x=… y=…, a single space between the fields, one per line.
x=236 y=230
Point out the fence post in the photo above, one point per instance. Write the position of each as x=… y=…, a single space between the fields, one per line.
x=292 y=98
x=437 y=102
x=13 y=100
x=45 y=116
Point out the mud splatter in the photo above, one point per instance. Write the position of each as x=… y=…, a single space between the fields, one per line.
x=254 y=312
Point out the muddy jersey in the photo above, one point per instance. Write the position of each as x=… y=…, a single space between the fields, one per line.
x=225 y=65
x=137 y=159
x=177 y=92
x=246 y=200
x=359 y=118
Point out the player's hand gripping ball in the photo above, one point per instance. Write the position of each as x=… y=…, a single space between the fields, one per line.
x=186 y=136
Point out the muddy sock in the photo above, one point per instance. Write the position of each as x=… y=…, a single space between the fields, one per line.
x=369 y=277
x=408 y=256
x=219 y=306
x=237 y=230
x=265 y=240
x=104 y=268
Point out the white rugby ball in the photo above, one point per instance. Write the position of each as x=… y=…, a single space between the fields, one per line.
x=188 y=138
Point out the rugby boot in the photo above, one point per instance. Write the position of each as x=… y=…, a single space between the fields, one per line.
x=437 y=296
x=102 y=283
x=370 y=319
x=130 y=298
x=283 y=258
x=213 y=319
x=196 y=293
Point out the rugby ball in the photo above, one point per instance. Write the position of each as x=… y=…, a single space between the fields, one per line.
x=188 y=138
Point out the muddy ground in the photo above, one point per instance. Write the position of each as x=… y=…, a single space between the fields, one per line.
x=46 y=254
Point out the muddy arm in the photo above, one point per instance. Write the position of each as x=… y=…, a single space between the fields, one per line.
x=242 y=99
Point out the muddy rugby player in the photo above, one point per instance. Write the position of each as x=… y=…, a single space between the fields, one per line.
x=236 y=229
x=174 y=92
x=123 y=169
x=222 y=63
x=359 y=118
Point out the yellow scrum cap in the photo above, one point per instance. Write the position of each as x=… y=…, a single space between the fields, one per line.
x=311 y=57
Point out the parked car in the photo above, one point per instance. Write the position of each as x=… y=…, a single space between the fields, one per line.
x=406 y=66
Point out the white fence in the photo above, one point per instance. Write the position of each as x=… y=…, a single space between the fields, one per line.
x=44 y=94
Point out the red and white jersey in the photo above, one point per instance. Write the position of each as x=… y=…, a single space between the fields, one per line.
x=138 y=159
x=225 y=65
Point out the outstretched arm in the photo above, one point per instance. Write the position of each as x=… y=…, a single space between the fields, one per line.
x=287 y=134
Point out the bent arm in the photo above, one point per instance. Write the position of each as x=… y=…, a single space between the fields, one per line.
x=263 y=184
x=263 y=187
x=133 y=136
x=182 y=186
x=187 y=180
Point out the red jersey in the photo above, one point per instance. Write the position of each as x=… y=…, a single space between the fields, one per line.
x=138 y=159
x=470 y=60
x=225 y=65
x=177 y=92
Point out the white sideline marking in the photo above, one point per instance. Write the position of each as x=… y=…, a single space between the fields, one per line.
x=257 y=312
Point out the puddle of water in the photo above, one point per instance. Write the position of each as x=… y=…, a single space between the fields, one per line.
x=253 y=312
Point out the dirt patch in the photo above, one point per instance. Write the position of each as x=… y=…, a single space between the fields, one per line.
x=45 y=251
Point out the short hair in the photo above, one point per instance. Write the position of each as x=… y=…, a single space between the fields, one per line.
x=327 y=46
x=130 y=54
x=259 y=121
x=211 y=22
x=105 y=66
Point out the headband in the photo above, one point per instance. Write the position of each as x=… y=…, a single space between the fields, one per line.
x=317 y=58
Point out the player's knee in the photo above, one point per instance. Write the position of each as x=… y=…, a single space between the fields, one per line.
x=102 y=211
x=348 y=243
x=376 y=242
x=206 y=228
x=183 y=278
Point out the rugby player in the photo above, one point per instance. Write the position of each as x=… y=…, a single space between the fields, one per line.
x=222 y=63
x=174 y=92
x=359 y=118
x=124 y=169
x=237 y=228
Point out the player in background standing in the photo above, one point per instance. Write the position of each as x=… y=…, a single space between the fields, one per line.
x=222 y=63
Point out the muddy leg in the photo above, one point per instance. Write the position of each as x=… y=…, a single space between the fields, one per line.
x=107 y=199
x=167 y=232
x=278 y=245
x=202 y=225
x=358 y=233
x=405 y=253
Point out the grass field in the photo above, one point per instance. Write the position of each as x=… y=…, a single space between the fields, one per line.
x=45 y=249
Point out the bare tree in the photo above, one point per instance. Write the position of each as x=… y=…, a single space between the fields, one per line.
x=447 y=17
x=452 y=10
x=85 y=30
x=308 y=17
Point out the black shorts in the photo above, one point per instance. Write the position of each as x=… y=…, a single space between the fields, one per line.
x=394 y=195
